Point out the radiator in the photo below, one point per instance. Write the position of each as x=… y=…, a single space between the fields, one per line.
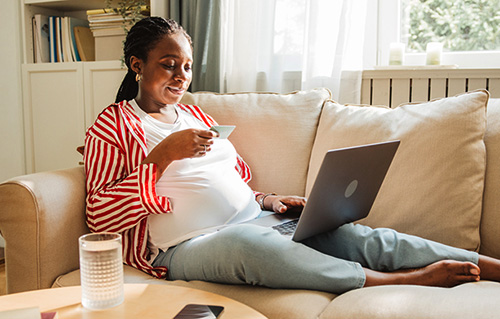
x=395 y=86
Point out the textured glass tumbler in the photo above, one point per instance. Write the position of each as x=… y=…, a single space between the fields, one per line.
x=101 y=270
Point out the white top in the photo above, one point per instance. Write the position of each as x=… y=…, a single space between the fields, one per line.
x=206 y=193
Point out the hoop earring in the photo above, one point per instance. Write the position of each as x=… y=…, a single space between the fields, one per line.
x=138 y=77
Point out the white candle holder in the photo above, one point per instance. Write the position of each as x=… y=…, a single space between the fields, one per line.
x=396 y=53
x=434 y=51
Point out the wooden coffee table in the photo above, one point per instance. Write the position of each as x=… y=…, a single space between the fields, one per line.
x=141 y=301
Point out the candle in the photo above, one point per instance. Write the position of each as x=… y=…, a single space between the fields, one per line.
x=396 y=53
x=434 y=50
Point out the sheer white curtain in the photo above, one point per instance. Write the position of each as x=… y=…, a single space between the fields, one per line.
x=247 y=37
x=283 y=45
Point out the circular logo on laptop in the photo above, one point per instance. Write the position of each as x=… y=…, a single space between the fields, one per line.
x=351 y=188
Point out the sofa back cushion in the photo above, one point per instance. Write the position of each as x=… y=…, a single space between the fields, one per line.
x=274 y=133
x=434 y=186
x=490 y=221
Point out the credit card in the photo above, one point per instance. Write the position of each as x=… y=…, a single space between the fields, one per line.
x=223 y=130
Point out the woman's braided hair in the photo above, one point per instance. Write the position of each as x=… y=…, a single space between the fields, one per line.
x=141 y=38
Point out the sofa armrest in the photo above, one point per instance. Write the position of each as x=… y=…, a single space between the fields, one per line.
x=41 y=217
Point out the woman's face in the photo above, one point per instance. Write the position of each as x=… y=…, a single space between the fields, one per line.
x=166 y=74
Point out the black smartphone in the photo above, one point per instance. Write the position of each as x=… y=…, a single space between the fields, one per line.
x=192 y=311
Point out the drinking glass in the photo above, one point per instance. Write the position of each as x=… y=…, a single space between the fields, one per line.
x=101 y=270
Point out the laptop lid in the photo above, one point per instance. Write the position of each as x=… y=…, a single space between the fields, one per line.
x=345 y=188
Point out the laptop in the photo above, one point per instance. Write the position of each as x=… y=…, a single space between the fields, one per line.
x=345 y=188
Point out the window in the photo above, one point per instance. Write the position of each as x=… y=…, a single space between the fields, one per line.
x=461 y=25
x=468 y=29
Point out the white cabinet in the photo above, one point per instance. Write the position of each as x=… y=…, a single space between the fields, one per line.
x=54 y=115
x=60 y=102
x=101 y=83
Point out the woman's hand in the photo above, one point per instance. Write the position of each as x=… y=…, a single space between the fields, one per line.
x=186 y=144
x=282 y=204
x=179 y=145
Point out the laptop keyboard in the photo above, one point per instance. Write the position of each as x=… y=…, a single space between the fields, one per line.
x=287 y=228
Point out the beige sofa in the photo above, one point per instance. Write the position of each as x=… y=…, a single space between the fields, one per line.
x=436 y=188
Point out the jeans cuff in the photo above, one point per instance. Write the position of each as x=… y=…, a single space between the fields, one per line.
x=361 y=276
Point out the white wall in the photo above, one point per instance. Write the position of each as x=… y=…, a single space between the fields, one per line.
x=11 y=114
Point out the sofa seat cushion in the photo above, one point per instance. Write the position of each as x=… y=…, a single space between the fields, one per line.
x=273 y=303
x=472 y=300
x=274 y=133
x=434 y=187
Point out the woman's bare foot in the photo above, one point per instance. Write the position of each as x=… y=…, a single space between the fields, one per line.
x=445 y=273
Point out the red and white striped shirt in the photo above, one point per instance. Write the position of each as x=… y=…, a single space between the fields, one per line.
x=121 y=192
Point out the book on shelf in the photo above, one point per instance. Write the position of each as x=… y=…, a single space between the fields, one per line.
x=108 y=31
x=85 y=43
x=59 y=52
x=52 y=39
x=65 y=45
x=73 y=24
x=70 y=24
x=106 y=18
x=110 y=22
x=61 y=40
x=41 y=38
x=145 y=10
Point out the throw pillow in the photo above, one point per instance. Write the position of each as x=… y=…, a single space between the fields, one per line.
x=274 y=133
x=490 y=219
x=434 y=187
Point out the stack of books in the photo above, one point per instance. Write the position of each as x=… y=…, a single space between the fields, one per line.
x=108 y=22
x=109 y=27
x=61 y=39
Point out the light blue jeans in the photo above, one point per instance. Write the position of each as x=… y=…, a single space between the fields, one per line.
x=332 y=262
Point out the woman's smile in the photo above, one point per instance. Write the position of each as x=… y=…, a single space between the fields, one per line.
x=176 y=91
